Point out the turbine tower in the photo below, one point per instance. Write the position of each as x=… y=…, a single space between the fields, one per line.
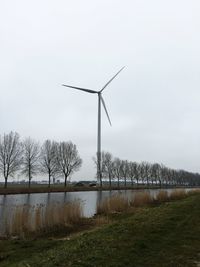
x=100 y=101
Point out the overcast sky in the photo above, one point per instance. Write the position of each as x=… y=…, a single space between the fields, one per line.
x=154 y=103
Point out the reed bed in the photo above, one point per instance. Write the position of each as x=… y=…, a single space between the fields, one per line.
x=27 y=220
x=193 y=191
x=178 y=194
x=140 y=199
x=101 y=220
x=116 y=203
x=162 y=196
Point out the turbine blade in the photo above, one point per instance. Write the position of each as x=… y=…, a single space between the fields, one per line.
x=104 y=105
x=112 y=79
x=82 y=89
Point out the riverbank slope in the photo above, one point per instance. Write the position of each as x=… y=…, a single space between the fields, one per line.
x=164 y=235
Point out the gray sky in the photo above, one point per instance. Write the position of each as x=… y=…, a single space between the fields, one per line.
x=154 y=104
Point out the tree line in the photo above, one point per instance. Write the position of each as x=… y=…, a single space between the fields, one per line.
x=117 y=171
x=29 y=158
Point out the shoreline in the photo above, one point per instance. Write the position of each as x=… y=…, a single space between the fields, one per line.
x=40 y=189
x=141 y=237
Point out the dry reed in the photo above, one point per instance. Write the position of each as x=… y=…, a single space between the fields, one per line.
x=101 y=220
x=37 y=218
x=178 y=194
x=116 y=203
x=193 y=191
x=162 y=196
x=140 y=199
x=26 y=219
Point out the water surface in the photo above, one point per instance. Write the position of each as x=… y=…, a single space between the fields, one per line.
x=89 y=200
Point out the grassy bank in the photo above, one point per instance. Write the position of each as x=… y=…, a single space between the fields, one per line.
x=159 y=235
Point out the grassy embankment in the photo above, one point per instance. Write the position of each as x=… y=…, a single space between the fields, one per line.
x=155 y=235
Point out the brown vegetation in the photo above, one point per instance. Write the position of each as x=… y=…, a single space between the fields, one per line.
x=140 y=199
x=26 y=220
x=162 y=196
x=193 y=191
x=116 y=203
x=178 y=194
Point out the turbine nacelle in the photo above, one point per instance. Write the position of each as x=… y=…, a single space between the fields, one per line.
x=97 y=92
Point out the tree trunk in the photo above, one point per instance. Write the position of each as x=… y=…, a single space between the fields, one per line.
x=49 y=180
x=101 y=183
x=29 y=176
x=29 y=179
x=125 y=181
x=6 y=181
x=109 y=181
x=132 y=181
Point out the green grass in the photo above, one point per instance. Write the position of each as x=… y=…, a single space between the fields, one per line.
x=159 y=236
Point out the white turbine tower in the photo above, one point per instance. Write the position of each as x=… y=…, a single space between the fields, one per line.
x=100 y=100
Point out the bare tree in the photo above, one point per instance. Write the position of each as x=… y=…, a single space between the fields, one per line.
x=124 y=170
x=68 y=159
x=133 y=172
x=117 y=169
x=147 y=171
x=137 y=173
x=31 y=151
x=48 y=159
x=108 y=166
x=102 y=174
x=10 y=155
x=142 y=172
x=156 y=172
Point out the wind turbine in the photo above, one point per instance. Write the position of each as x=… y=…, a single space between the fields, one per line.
x=100 y=101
